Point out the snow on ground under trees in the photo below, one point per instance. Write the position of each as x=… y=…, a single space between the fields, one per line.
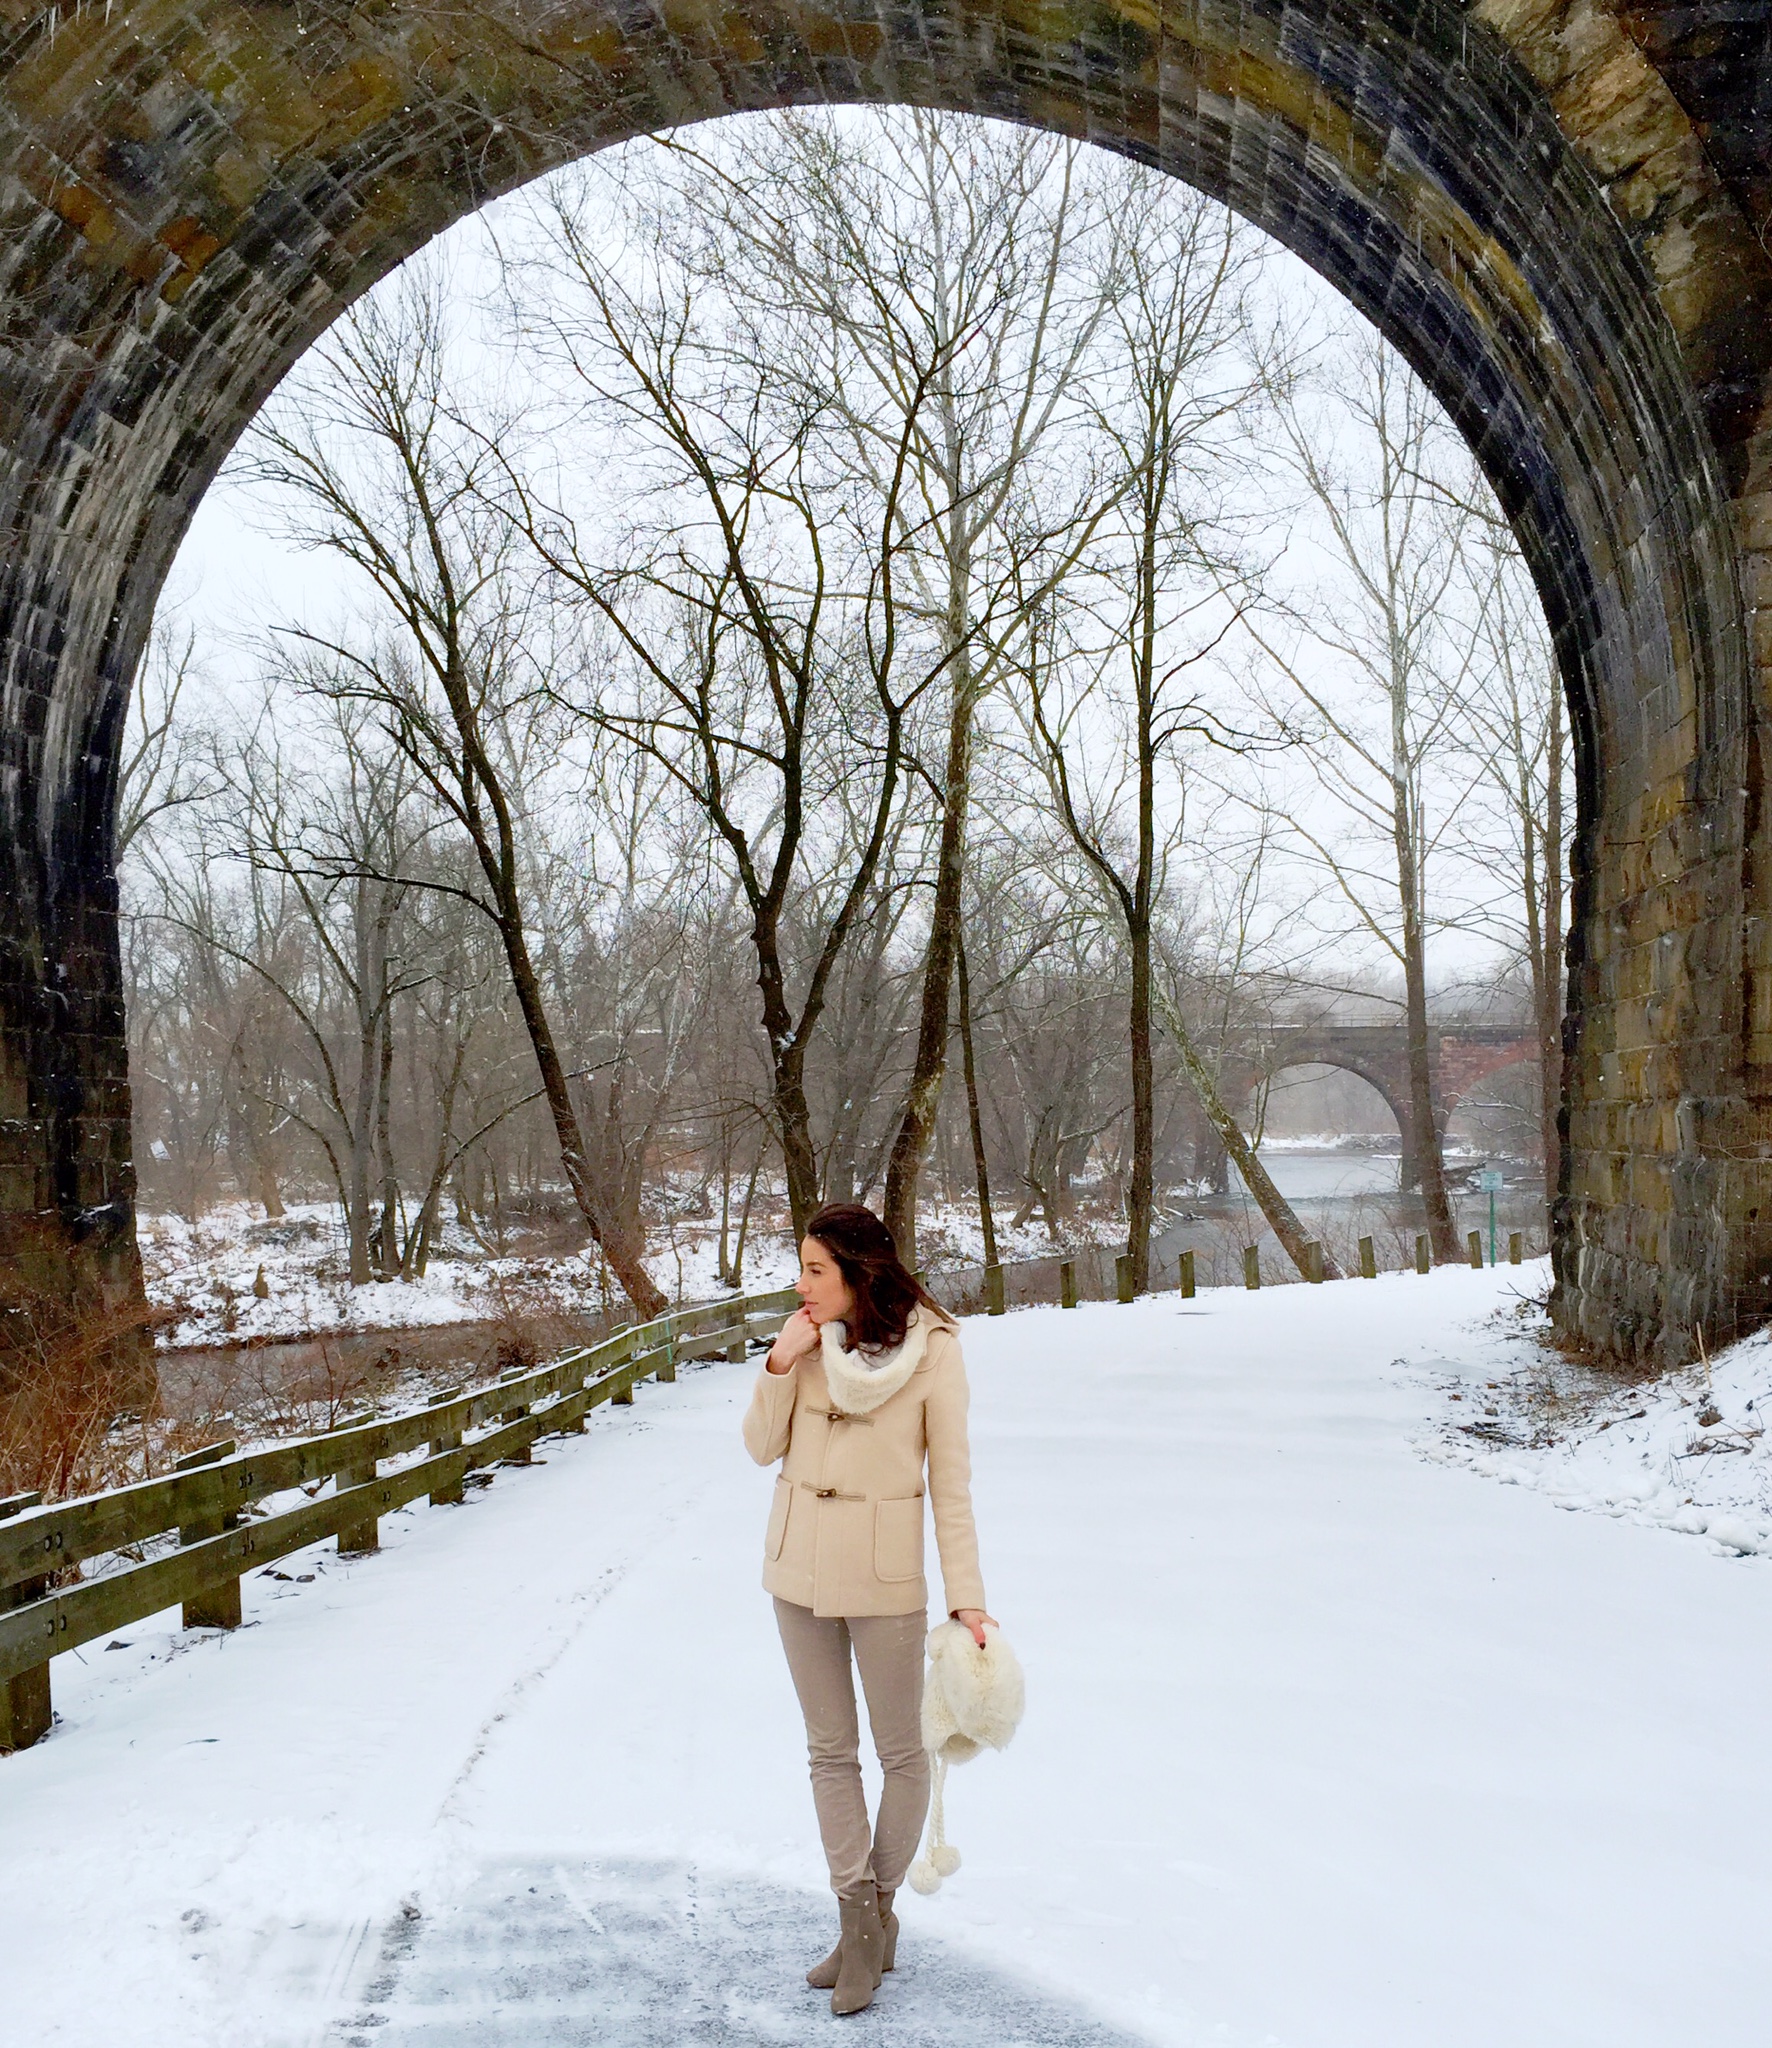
x=1332 y=1742
x=201 y=1274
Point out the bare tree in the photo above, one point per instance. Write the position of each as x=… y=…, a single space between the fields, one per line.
x=1400 y=637
x=947 y=277
x=1165 y=586
x=1510 y=721
x=752 y=642
x=367 y=452
x=164 y=766
x=325 y=850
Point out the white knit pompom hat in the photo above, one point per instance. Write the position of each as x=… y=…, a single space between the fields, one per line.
x=972 y=1700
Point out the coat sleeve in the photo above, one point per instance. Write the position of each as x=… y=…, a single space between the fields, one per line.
x=950 y=1479
x=769 y=1420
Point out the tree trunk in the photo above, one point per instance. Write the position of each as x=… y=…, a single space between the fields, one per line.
x=357 y=1205
x=1140 y=1193
x=923 y=1098
x=387 y=1229
x=625 y=1257
x=793 y=1120
x=736 y=1278
x=417 y=1255
x=725 y=1203
x=787 y=1068
x=1429 y=1159
x=1273 y=1205
x=980 y=1167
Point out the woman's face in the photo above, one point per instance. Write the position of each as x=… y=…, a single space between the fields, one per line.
x=821 y=1285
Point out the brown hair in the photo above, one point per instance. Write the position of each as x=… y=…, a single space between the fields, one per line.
x=867 y=1257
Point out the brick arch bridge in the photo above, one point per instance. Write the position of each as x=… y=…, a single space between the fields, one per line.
x=1552 y=207
x=1462 y=1054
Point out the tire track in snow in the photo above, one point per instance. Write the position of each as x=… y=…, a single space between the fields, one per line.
x=587 y=1601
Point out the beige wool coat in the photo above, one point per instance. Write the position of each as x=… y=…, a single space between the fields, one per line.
x=845 y=1532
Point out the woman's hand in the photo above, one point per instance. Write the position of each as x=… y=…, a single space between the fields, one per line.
x=975 y=1618
x=799 y=1335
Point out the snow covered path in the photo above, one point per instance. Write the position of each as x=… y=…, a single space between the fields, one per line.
x=1328 y=1745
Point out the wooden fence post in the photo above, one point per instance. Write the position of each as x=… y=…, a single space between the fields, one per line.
x=1424 y=1254
x=515 y=1413
x=1514 y=1247
x=1123 y=1276
x=994 y=1301
x=25 y=1710
x=357 y=1537
x=1474 y=1240
x=1067 y=1283
x=576 y=1427
x=1187 y=1276
x=450 y=1496
x=1368 y=1260
x=1252 y=1265
x=1313 y=1262
x=216 y=1606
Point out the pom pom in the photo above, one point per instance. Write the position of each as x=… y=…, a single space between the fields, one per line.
x=925 y=1878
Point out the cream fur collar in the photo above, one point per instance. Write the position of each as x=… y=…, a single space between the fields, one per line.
x=860 y=1382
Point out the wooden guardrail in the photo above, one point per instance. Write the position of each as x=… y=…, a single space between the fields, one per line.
x=211 y=1501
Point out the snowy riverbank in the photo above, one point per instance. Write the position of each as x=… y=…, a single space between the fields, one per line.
x=202 y=1276
x=1330 y=1743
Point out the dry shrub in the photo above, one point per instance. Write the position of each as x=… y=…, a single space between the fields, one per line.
x=76 y=1394
x=82 y=1407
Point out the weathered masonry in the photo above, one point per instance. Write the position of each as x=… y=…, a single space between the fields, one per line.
x=1554 y=210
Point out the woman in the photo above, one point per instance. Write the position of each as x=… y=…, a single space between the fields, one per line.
x=863 y=1386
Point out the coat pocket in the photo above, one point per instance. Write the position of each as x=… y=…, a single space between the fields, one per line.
x=898 y=1538
x=777 y=1532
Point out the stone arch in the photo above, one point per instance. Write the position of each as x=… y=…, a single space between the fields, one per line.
x=1382 y=1063
x=193 y=189
x=1388 y=1078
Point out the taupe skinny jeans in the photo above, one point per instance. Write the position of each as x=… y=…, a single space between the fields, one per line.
x=889 y=1650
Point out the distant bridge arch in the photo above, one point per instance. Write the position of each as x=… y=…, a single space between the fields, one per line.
x=1463 y=1055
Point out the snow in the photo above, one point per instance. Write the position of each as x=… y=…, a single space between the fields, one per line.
x=202 y=1274
x=1686 y=1452
x=949 y=1234
x=1332 y=1741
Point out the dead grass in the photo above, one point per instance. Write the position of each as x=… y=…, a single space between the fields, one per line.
x=78 y=1415
x=76 y=1393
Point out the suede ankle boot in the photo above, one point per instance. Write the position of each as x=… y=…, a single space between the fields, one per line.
x=858 y=1954
x=888 y=1931
x=823 y=1976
